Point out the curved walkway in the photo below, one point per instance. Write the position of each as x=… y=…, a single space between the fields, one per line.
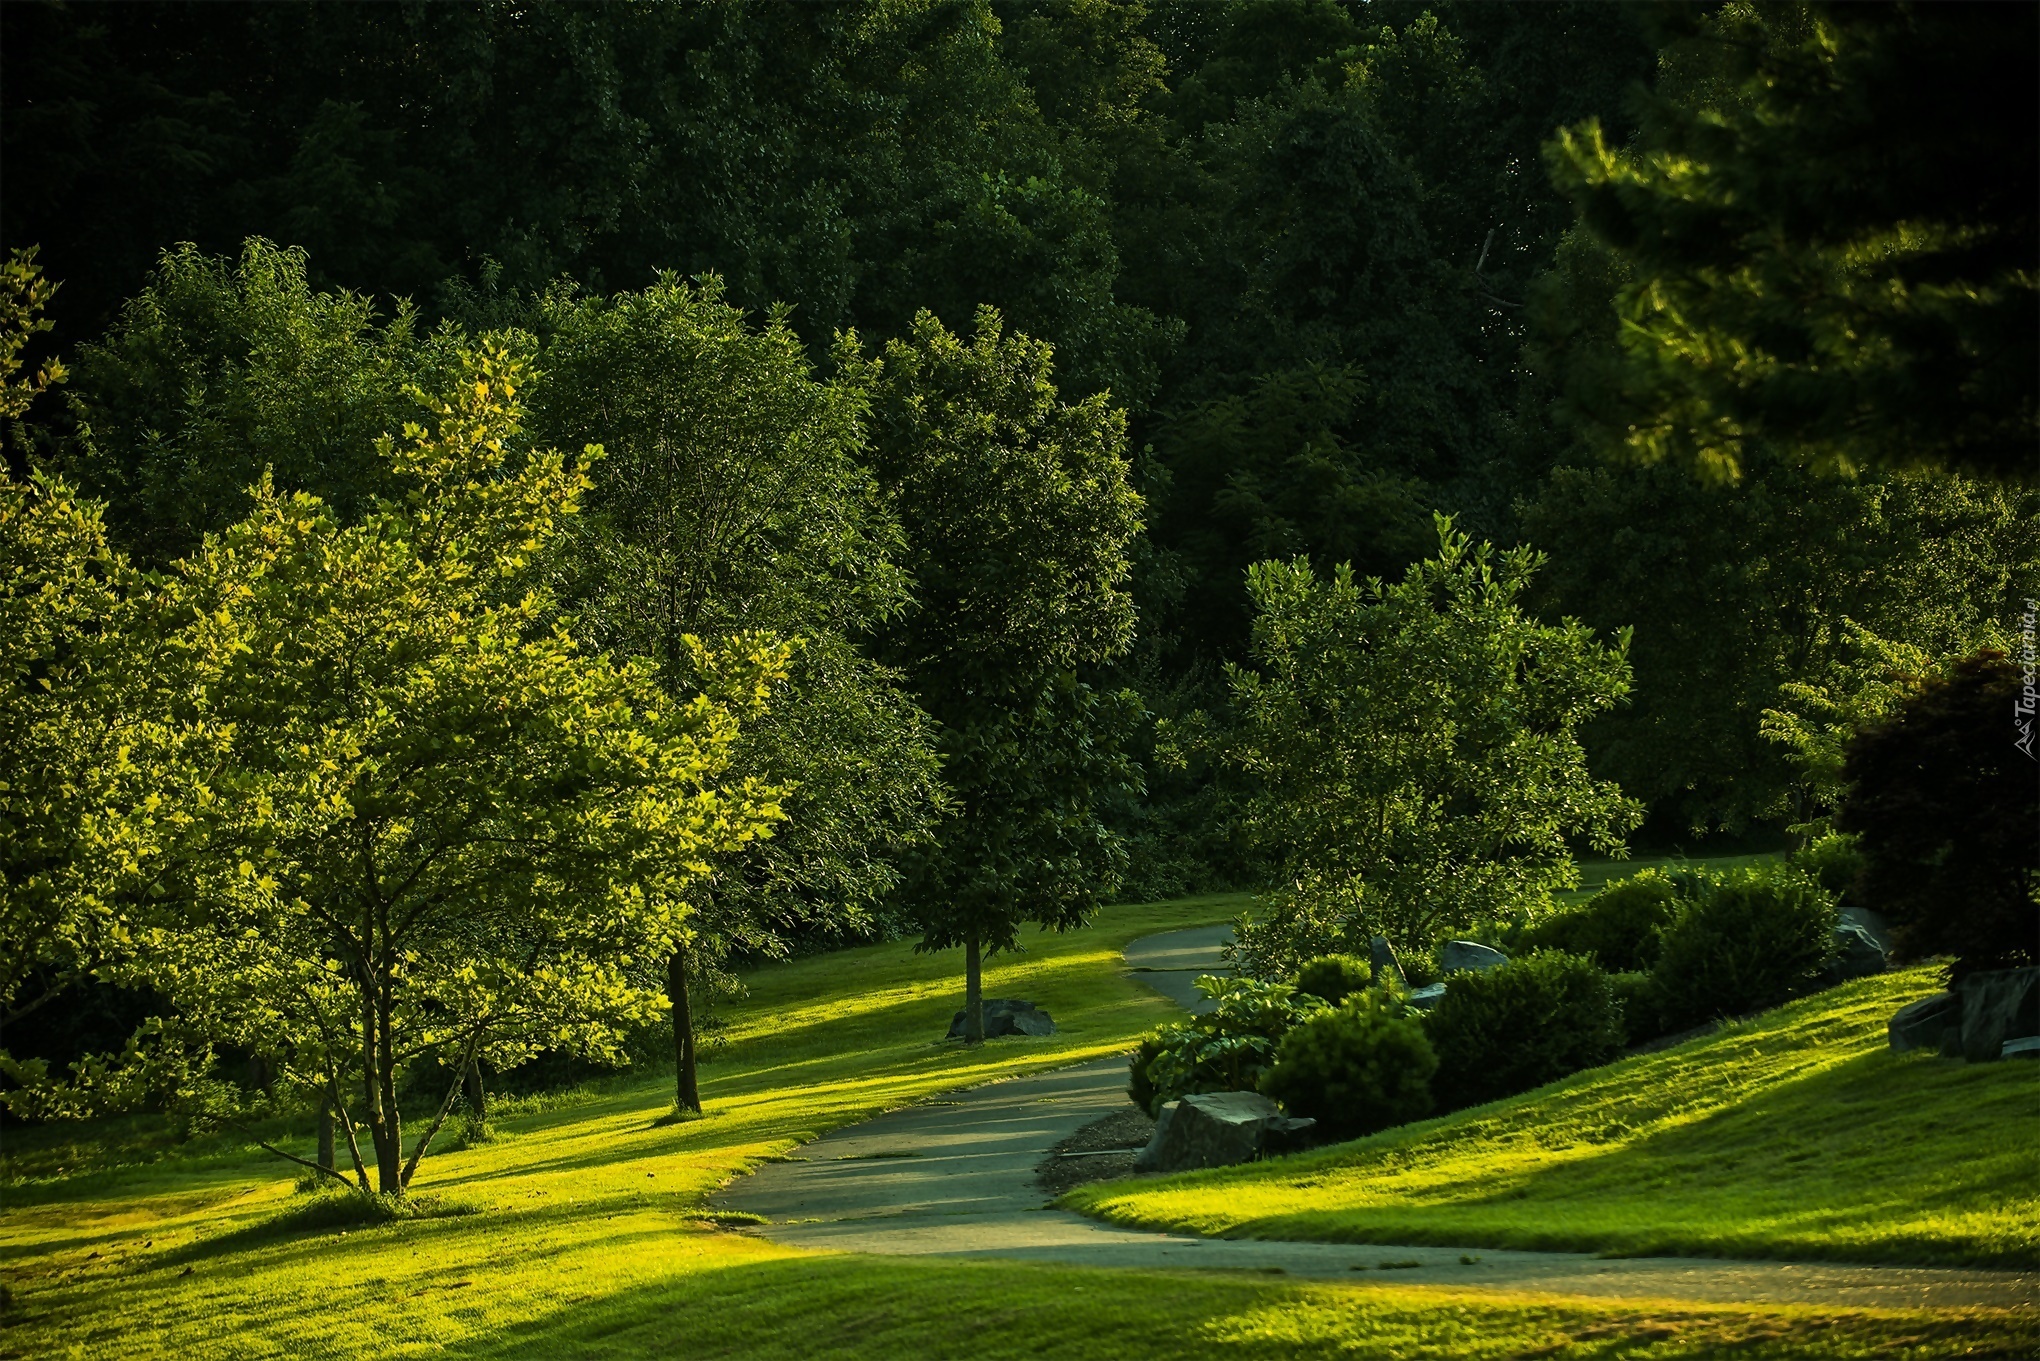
x=956 y=1178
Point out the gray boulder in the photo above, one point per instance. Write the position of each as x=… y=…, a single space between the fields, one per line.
x=1857 y=955
x=1465 y=956
x=1387 y=969
x=2001 y=1005
x=1872 y=924
x=1926 y=1024
x=1008 y=1017
x=1218 y=1129
x=1428 y=996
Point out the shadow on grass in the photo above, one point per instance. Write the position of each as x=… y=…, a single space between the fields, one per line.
x=1871 y=1158
x=852 y=1307
x=320 y=1213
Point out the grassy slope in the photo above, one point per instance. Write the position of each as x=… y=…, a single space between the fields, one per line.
x=1797 y=1134
x=587 y=1244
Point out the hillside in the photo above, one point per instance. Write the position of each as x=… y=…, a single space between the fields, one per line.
x=1796 y=1134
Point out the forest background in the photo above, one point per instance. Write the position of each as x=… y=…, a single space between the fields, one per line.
x=1341 y=266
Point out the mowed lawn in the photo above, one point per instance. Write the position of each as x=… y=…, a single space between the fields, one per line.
x=586 y=1238
x=1796 y=1134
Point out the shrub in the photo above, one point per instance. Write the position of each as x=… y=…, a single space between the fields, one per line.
x=1526 y=1023
x=1617 y=928
x=1334 y=977
x=1642 y=1009
x=1751 y=939
x=1943 y=803
x=1229 y=1047
x=1835 y=861
x=1365 y=1066
x=1140 y=1089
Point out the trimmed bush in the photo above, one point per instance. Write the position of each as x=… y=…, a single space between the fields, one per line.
x=1751 y=939
x=1617 y=928
x=1334 y=977
x=1642 y=1011
x=1361 y=1068
x=1835 y=861
x=1529 y=1022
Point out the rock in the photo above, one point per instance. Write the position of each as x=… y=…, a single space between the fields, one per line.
x=1872 y=923
x=1007 y=1017
x=1925 y=1024
x=2003 y=1004
x=1464 y=956
x=1857 y=955
x=1387 y=969
x=1428 y=996
x=1218 y=1129
x=2025 y=1047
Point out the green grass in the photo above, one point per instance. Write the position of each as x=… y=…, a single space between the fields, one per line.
x=1797 y=1134
x=581 y=1230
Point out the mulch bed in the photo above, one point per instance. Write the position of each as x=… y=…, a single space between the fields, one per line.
x=1104 y=1150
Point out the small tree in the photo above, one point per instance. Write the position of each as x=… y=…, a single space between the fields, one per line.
x=1944 y=799
x=1018 y=515
x=730 y=501
x=1414 y=751
x=441 y=828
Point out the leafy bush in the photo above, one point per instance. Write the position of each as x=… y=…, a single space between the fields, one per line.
x=1750 y=939
x=1617 y=928
x=1229 y=1047
x=1526 y=1023
x=1835 y=861
x=1943 y=803
x=1140 y=1089
x=1642 y=1008
x=1334 y=977
x=1365 y=1066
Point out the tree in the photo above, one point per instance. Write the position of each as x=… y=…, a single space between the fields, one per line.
x=730 y=501
x=221 y=369
x=1830 y=213
x=441 y=828
x=1414 y=751
x=1018 y=515
x=1943 y=796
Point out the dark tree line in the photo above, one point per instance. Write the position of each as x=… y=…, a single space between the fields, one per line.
x=1342 y=265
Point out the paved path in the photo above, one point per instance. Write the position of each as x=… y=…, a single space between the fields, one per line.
x=956 y=1178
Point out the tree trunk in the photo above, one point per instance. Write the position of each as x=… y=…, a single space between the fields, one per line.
x=389 y=1140
x=973 y=991
x=477 y=1095
x=325 y=1154
x=687 y=1087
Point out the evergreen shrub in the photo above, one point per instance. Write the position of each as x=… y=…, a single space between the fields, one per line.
x=1334 y=977
x=1618 y=927
x=1750 y=939
x=1526 y=1023
x=1360 y=1068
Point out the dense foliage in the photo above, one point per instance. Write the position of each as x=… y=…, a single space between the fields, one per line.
x=984 y=378
x=1617 y=928
x=1520 y=1025
x=1362 y=1067
x=1943 y=799
x=1334 y=977
x=1226 y=1049
x=1747 y=939
x=1413 y=751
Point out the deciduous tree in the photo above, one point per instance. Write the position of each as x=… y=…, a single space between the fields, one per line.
x=442 y=828
x=1018 y=515
x=1414 y=751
